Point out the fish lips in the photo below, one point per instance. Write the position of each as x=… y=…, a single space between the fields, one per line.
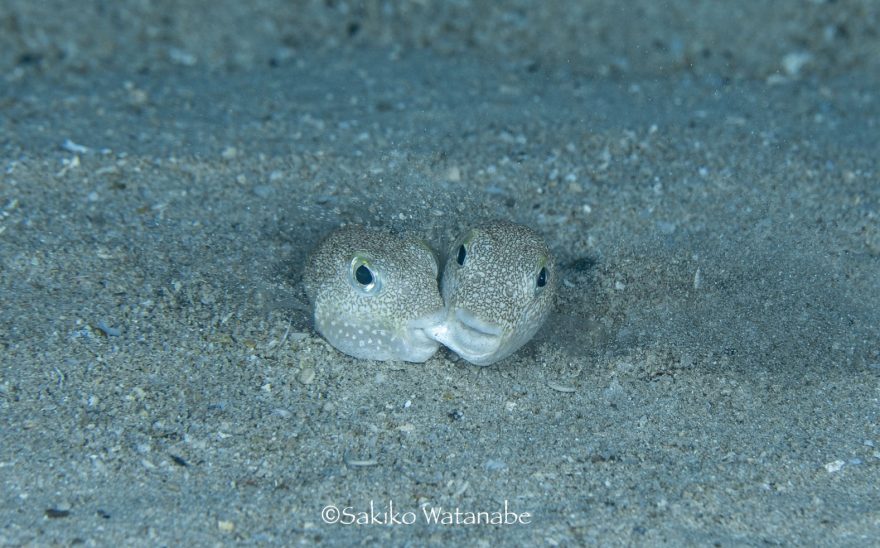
x=472 y=338
x=418 y=346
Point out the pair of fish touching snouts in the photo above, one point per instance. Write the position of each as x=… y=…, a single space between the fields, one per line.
x=375 y=294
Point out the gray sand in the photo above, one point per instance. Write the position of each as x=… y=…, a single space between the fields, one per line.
x=710 y=375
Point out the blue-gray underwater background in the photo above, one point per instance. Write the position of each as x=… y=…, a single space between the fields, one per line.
x=707 y=175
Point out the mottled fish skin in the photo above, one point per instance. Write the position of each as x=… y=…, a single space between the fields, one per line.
x=374 y=294
x=498 y=287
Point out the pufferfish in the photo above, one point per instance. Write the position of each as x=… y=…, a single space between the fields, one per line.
x=498 y=288
x=375 y=294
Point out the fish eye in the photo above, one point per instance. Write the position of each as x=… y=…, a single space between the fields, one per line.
x=363 y=276
x=542 y=277
x=462 y=255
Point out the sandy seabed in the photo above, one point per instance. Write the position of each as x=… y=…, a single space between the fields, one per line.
x=710 y=374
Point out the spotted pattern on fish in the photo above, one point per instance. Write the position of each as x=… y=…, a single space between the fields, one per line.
x=498 y=287
x=374 y=294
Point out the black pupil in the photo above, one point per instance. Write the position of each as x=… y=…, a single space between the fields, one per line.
x=542 y=277
x=462 y=253
x=363 y=275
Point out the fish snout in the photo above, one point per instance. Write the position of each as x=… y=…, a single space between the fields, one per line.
x=418 y=345
x=473 y=338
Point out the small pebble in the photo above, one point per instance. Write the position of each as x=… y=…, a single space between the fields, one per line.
x=306 y=376
x=182 y=57
x=107 y=330
x=834 y=466
x=794 y=62
x=666 y=227
x=561 y=387
x=453 y=174
x=493 y=465
x=55 y=513
x=70 y=146
x=263 y=191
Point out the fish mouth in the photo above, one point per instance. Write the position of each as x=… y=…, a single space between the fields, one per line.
x=418 y=345
x=472 y=338
x=476 y=325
